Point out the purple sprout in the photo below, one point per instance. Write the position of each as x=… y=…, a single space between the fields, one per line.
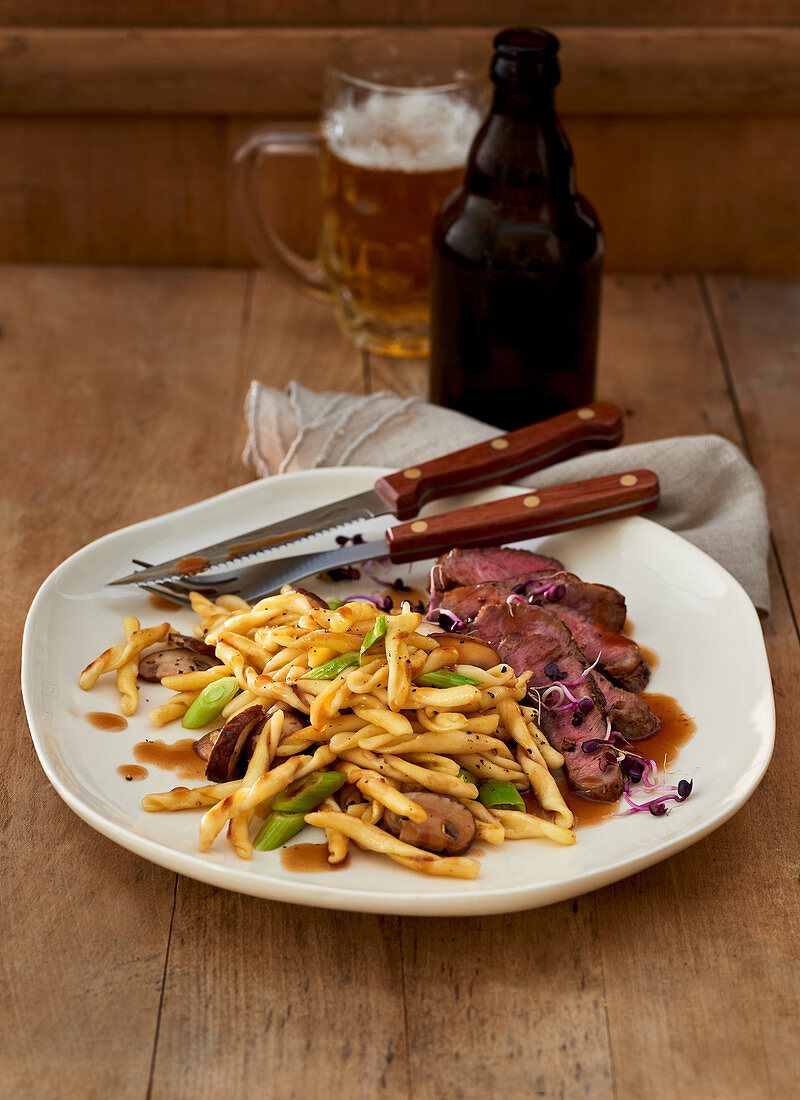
x=657 y=805
x=446 y=619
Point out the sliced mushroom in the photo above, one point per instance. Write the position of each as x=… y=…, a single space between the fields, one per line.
x=186 y=641
x=449 y=828
x=471 y=651
x=227 y=759
x=173 y=662
x=205 y=744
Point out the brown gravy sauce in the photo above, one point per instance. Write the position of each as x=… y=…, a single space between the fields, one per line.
x=131 y=771
x=239 y=549
x=676 y=729
x=190 y=565
x=180 y=757
x=161 y=603
x=650 y=655
x=103 y=720
x=307 y=859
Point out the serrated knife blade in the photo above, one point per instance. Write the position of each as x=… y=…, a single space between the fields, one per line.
x=364 y=505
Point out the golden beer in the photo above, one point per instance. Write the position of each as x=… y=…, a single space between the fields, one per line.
x=400 y=109
x=384 y=178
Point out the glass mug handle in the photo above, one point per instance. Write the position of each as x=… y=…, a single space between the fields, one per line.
x=259 y=234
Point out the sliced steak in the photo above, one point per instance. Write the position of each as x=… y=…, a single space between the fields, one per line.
x=620 y=658
x=466 y=602
x=530 y=638
x=629 y=713
x=489 y=563
x=527 y=572
x=593 y=601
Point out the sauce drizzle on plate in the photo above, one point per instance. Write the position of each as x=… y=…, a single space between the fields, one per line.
x=103 y=720
x=308 y=859
x=179 y=757
x=132 y=772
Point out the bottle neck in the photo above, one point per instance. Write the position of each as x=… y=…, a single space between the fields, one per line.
x=521 y=155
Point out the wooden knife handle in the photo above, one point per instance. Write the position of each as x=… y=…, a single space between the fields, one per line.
x=504 y=458
x=576 y=504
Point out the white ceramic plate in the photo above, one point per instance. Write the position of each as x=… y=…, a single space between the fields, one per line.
x=683 y=605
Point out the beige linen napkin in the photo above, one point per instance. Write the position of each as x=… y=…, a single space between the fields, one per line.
x=710 y=494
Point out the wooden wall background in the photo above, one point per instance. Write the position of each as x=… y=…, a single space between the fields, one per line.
x=116 y=117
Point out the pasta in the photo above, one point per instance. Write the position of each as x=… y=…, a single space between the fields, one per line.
x=373 y=698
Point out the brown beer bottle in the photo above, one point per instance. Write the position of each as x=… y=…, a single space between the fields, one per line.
x=517 y=254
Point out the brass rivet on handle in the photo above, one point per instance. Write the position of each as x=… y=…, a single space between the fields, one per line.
x=628 y=479
x=419 y=526
x=412 y=474
x=532 y=501
x=499 y=444
x=586 y=414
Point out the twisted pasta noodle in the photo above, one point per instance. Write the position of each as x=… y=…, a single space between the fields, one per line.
x=113 y=658
x=194 y=681
x=127 y=673
x=519 y=826
x=338 y=842
x=174 y=708
x=239 y=826
x=380 y=789
x=483 y=769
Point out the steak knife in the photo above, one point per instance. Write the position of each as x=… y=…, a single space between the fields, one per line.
x=548 y=511
x=404 y=492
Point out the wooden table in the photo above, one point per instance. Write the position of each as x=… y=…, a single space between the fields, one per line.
x=123 y=396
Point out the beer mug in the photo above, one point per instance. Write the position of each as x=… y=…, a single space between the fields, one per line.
x=400 y=110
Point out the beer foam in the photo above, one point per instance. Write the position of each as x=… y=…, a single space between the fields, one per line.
x=418 y=131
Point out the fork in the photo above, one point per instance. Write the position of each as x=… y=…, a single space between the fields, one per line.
x=250 y=582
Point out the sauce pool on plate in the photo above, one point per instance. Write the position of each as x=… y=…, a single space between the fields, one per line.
x=309 y=859
x=103 y=720
x=132 y=772
x=179 y=757
x=161 y=603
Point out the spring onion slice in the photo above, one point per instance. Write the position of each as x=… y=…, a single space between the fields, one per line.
x=331 y=669
x=444 y=678
x=306 y=795
x=378 y=631
x=497 y=794
x=277 y=829
x=210 y=703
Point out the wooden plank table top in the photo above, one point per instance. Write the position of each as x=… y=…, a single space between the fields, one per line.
x=123 y=393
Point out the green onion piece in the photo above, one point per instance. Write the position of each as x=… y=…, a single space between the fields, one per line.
x=305 y=795
x=378 y=631
x=464 y=776
x=444 y=678
x=497 y=794
x=334 y=604
x=277 y=829
x=210 y=703
x=331 y=669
